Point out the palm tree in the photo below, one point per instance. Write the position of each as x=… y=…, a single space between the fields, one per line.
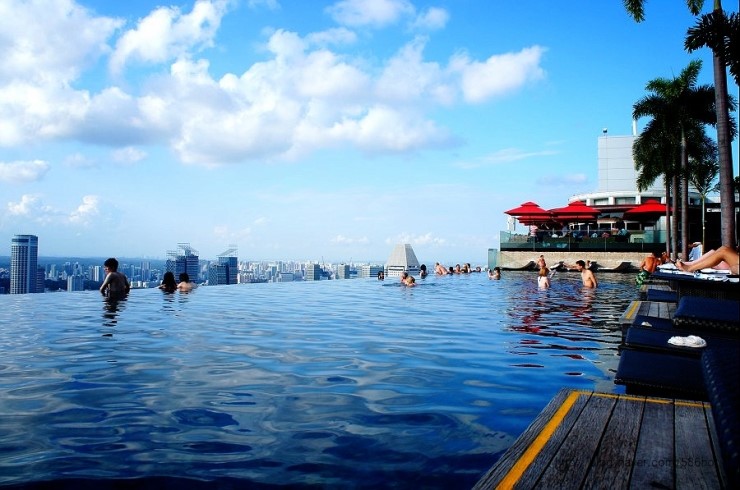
x=704 y=172
x=721 y=33
x=680 y=110
x=655 y=155
x=636 y=9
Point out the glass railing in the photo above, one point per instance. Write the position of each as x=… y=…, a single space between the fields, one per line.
x=600 y=240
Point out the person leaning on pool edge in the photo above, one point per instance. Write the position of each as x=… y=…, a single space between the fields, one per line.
x=115 y=284
x=169 y=285
x=184 y=285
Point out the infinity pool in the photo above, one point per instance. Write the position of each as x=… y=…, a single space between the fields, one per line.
x=333 y=384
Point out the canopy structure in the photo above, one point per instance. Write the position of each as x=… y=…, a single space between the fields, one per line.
x=575 y=211
x=649 y=210
x=529 y=213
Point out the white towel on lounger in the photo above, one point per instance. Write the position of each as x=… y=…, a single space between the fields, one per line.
x=690 y=341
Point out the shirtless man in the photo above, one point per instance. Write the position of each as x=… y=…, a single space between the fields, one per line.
x=115 y=283
x=650 y=263
x=184 y=285
x=407 y=279
x=439 y=269
x=588 y=277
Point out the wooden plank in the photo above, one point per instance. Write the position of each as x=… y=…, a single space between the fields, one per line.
x=653 y=468
x=695 y=465
x=613 y=463
x=524 y=441
x=547 y=430
x=600 y=440
x=570 y=464
x=629 y=314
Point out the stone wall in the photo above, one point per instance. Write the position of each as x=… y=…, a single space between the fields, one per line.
x=515 y=260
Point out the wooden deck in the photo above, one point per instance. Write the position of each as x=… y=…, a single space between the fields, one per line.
x=659 y=309
x=584 y=439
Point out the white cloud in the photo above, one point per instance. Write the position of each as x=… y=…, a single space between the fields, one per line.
x=79 y=160
x=50 y=42
x=344 y=240
x=499 y=74
x=375 y=13
x=268 y=4
x=226 y=234
x=432 y=19
x=167 y=34
x=303 y=97
x=45 y=46
x=22 y=172
x=24 y=207
x=516 y=154
x=338 y=36
x=86 y=211
x=425 y=239
x=128 y=155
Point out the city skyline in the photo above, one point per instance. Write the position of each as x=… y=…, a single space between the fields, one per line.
x=313 y=130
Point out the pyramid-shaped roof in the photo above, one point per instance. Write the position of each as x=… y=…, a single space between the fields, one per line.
x=403 y=256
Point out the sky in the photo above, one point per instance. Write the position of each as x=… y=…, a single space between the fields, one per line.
x=312 y=130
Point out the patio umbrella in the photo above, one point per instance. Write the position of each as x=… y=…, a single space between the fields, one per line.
x=575 y=211
x=648 y=210
x=529 y=213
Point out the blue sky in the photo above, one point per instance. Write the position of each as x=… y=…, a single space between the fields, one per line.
x=312 y=129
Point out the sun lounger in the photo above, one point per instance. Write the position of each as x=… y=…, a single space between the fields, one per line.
x=661 y=374
x=661 y=295
x=721 y=368
x=710 y=314
x=657 y=340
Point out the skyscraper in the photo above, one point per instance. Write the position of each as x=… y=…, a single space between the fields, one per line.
x=24 y=253
x=184 y=259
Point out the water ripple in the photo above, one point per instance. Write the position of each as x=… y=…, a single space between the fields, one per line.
x=354 y=383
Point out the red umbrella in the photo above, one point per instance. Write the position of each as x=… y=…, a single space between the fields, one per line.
x=575 y=211
x=529 y=212
x=650 y=209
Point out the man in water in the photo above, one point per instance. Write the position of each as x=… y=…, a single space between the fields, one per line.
x=116 y=283
x=588 y=277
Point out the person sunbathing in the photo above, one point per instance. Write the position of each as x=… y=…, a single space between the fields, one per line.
x=723 y=258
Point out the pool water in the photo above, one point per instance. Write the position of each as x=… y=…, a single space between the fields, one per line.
x=332 y=384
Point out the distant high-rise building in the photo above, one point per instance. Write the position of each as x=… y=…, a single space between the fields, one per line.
x=75 y=283
x=96 y=273
x=370 y=270
x=218 y=274
x=232 y=268
x=184 y=259
x=40 y=277
x=343 y=271
x=402 y=259
x=313 y=272
x=24 y=252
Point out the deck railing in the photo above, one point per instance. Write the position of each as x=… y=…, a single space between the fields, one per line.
x=644 y=241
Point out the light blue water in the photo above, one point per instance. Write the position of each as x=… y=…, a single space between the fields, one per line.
x=343 y=384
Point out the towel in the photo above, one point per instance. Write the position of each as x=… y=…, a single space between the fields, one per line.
x=690 y=341
x=668 y=266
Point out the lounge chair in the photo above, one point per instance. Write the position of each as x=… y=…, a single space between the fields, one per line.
x=661 y=374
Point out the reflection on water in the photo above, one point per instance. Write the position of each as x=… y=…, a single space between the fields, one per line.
x=354 y=383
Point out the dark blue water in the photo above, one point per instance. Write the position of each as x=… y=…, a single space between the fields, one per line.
x=340 y=384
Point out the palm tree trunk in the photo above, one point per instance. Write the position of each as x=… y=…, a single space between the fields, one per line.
x=684 y=198
x=667 y=215
x=674 y=222
x=726 y=191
